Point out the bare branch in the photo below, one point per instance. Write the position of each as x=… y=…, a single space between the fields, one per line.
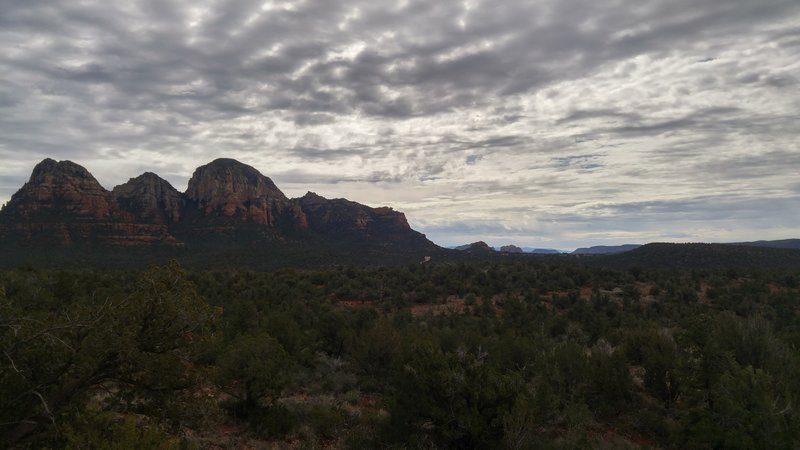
x=46 y=407
x=10 y=359
x=19 y=422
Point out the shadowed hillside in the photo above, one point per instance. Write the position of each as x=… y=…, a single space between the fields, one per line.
x=708 y=256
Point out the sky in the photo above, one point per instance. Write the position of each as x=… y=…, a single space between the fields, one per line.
x=543 y=123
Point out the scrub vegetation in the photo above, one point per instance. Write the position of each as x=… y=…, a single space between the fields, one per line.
x=517 y=354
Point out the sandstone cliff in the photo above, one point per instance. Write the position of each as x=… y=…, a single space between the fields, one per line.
x=63 y=204
x=149 y=198
x=343 y=216
x=226 y=188
x=61 y=190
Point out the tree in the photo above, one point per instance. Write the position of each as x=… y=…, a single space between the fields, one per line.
x=659 y=355
x=751 y=412
x=136 y=349
x=254 y=369
x=451 y=400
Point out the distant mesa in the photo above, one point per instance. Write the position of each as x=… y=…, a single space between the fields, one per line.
x=510 y=248
x=708 y=251
x=605 y=249
x=476 y=247
x=229 y=207
x=700 y=255
x=542 y=251
x=481 y=246
x=782 y=243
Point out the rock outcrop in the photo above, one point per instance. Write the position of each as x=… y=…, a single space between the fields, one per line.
x=340 y=216
x=60 y=191
x=510 y=248
x=476 y=247
x=226 y=188
x=63 y=204
x=149 y=198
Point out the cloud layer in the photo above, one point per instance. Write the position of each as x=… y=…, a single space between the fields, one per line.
x=548 y=123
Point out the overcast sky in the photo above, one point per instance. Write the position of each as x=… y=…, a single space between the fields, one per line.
x=551 y=123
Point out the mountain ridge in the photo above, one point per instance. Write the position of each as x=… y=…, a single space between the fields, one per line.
x=228 y=207
x=665 y=255
x=605 y=249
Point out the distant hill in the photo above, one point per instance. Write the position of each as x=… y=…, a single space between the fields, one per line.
x=783 y=243
x=605 y=249
x=708 y=256
x=476 y=247
x=542 y=251
x=230 y=216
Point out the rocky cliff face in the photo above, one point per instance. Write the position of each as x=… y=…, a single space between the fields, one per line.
x=343 y=216
x=64 y=204
x=150 y=199
x=226 y=188
x=476 y=247
x=61 y=190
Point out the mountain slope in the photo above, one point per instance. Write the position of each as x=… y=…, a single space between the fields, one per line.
x=605 y=249
x=783 y=243
x=706 y=256
x=478 y=247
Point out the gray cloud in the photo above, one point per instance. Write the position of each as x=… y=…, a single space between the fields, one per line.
x=700 y=208
x=548 y=104
x=585 y=162
x=715 y=118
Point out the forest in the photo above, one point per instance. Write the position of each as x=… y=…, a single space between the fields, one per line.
x=516 y=354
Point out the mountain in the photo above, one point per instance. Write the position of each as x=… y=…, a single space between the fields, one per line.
x=542 y=251
x=150 y=199
x=230 y=215
x=63 y=204
x=510 y=249
x=226 y=192
x=476 y=247
x=783 y=243
x=705 y=256
x=605 y=249
x=59 y=190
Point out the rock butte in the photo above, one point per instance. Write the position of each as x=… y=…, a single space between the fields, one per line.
x=63 y=204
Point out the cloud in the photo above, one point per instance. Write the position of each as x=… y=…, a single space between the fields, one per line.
x=552 y=105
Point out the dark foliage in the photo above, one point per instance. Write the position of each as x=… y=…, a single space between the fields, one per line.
x=513 y=353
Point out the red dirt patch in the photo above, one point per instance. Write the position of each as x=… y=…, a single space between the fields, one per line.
x=453 y=305
x=356 y=304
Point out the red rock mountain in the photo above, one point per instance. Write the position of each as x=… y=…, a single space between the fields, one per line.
x=226 y=188
x=63 y=204
x=150 y=199
x=343 y=216
x=476 y=247
x=61 y=190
